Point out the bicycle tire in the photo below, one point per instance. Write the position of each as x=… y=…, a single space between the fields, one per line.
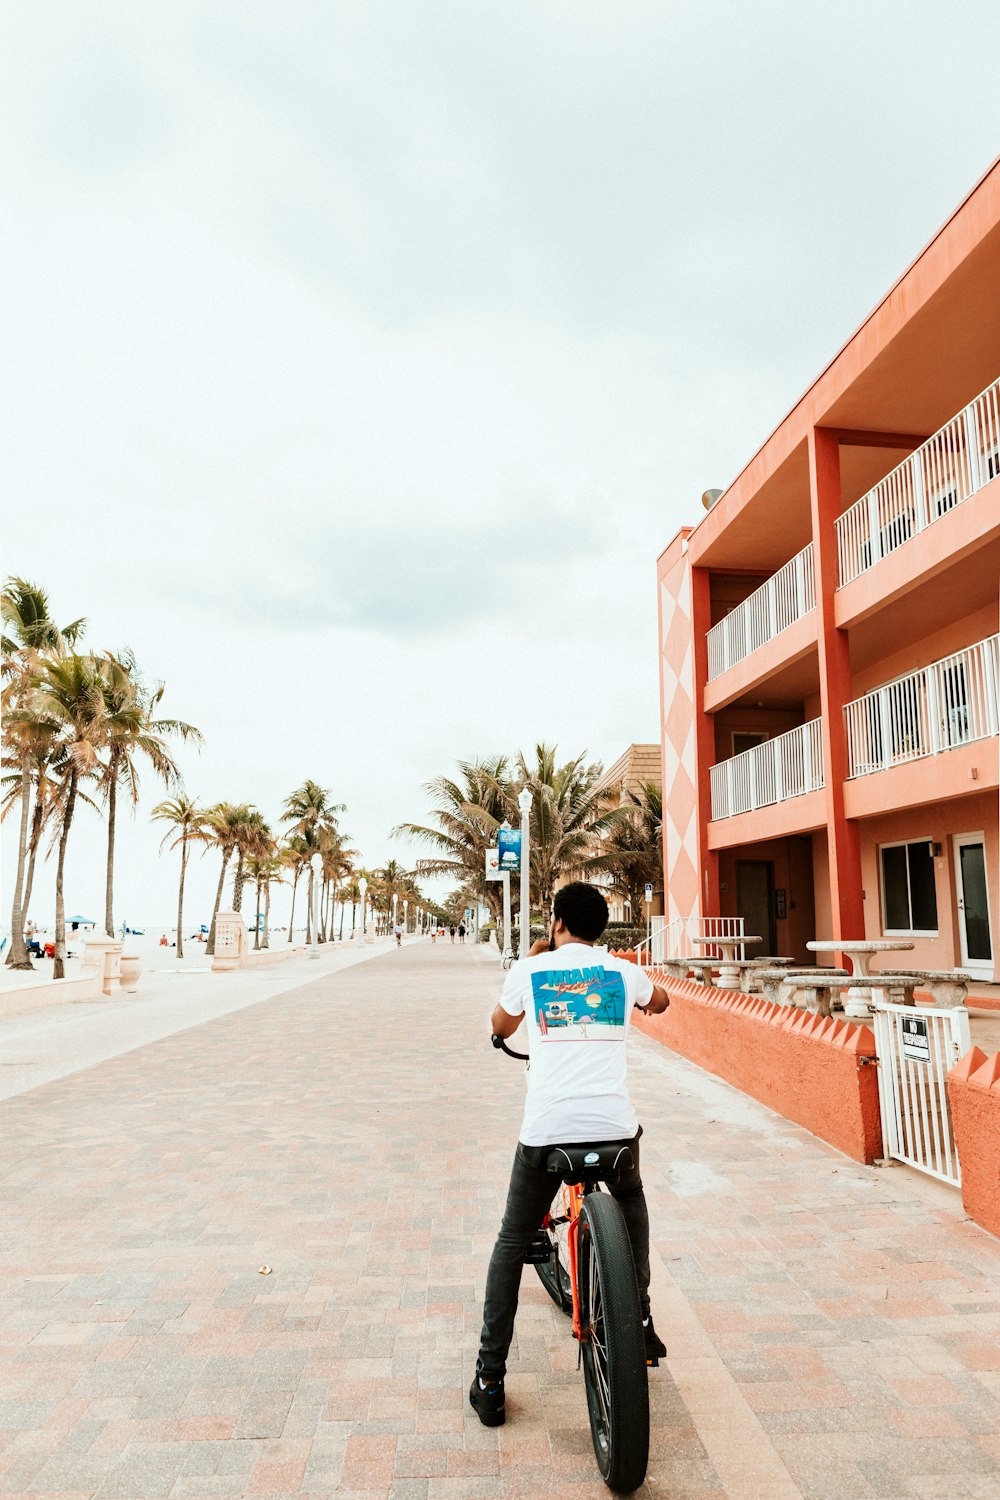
x=614 y=1355
x=554 y=1273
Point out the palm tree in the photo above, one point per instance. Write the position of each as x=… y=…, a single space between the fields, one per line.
x=187 y=825
x=262 y=868
x=632 y=851
x=467 y=811
x=252 y=838
x=132 y=731
x=351 y=891
x=337 y=858
x=70 y=697
x=309 y=809
x=567 y=817
x=29 y=632
x=295 y=854
x=222 y=826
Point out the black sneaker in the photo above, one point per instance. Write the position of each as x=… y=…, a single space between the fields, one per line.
x=656 y=1349
x=489 y=1404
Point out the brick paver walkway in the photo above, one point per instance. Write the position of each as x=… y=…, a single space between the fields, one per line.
x=832 y=1329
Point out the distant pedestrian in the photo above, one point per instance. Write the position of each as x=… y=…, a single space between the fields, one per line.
x=461 y=932
x=451 y=931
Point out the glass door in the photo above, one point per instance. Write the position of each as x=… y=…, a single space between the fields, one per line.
x=973 y=904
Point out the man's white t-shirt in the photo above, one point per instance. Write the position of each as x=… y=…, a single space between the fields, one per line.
x=576 y=1003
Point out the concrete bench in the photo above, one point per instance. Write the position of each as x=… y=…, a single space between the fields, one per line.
x=752 y=966
x=821 y=989
x=703 y=967
x=781 y=985
x=947 y=987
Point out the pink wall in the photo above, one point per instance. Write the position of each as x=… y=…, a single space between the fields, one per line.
x=821 y=885
x=922 y=649
x=937 y=822
x=804 y=1067
x=769 y=721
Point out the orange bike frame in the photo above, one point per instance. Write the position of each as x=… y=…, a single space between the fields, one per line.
x=574 y=1198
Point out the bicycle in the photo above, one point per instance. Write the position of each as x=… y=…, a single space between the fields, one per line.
x=583 y=1258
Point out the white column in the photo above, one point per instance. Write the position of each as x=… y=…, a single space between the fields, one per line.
x=315 y=869
x=524 y=803
x=506 y=913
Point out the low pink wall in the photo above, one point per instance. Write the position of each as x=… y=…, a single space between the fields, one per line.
x=974 y=1095
x=808 y=1069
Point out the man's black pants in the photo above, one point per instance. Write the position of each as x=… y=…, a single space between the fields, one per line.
x=529 y=1198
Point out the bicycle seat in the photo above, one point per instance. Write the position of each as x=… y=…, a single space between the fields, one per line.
x=601 y=1161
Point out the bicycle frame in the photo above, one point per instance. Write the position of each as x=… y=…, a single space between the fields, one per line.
x=574 y=1199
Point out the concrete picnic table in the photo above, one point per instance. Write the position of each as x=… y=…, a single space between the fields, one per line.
x=729 y=974
x=858 y=997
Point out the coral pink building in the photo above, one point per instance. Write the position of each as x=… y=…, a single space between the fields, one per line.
x=829 y=640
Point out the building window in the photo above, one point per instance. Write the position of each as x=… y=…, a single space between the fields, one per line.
x=909 y=896
x=746 y=739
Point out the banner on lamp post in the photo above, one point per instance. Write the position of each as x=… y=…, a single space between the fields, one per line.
x=509 y=849
x=493 y=870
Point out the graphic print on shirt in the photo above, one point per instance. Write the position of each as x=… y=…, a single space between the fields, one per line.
x=572 y=1005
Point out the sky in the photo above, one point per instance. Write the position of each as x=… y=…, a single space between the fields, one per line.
x=360 y=359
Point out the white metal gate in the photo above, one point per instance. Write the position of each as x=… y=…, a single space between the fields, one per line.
x=916 y=1046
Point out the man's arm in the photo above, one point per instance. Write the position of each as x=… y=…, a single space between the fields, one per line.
x=657 y=1002
x=503 y=1023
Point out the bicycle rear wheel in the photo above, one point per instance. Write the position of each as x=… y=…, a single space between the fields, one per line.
x=614 y=1356
x=554 y=1272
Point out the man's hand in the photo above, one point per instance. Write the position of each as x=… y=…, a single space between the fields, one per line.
x=540 y=945
x=657 y=1003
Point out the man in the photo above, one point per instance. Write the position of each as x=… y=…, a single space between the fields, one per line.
x=576 y=1005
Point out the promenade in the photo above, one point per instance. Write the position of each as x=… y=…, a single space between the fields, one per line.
x=834 y=1330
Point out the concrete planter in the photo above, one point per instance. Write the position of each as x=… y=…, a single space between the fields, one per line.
x=131 y=968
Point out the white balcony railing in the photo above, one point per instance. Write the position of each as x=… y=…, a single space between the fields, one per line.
x=788 y=766
x=952 y=702
x=947 y=469
x=784 y=598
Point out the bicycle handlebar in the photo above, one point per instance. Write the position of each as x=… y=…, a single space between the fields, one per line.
x=501 y=1046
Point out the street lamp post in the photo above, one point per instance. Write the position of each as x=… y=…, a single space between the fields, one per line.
x=315 y=870
x=363 y=888
x=395 y=903
x=524 y=803
x=406 y=908
x=505 y=882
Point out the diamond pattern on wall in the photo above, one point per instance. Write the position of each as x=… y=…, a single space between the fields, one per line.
x=677 y=736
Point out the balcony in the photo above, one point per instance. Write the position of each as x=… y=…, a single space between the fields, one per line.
x=784 y=598
x=952 y=702
x=789 y=766
x=952 y=465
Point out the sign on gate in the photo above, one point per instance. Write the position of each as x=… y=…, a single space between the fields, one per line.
x=916 y=1042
